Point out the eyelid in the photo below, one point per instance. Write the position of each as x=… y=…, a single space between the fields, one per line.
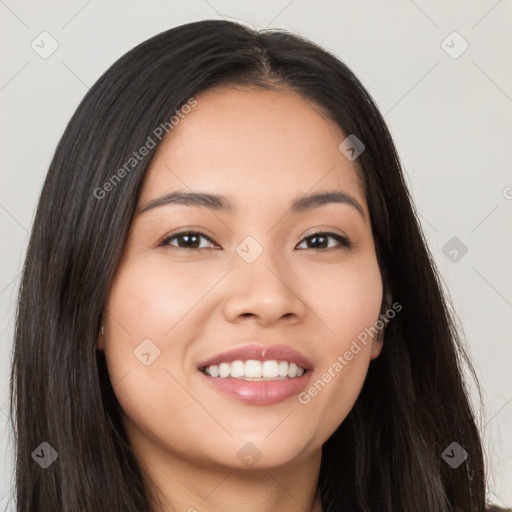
x=324 y=229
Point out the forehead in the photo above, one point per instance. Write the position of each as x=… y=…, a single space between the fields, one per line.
x=252 y=143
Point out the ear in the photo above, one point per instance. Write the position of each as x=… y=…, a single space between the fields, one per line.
x=378 y=341
x=387 y=301
x=101 y=335
x=377 y=345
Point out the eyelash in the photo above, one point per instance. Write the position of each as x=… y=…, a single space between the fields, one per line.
x=344 y=241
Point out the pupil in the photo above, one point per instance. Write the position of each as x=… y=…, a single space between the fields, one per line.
x=315 y=239
x=187 y=238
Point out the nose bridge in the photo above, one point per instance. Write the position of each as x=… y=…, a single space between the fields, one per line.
x=262 y=284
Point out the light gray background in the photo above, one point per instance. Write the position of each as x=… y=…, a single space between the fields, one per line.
x=451 y=119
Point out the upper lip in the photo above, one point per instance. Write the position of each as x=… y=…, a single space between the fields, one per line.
x=260 y=353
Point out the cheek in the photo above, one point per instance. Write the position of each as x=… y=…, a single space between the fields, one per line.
x=144 y=328
x=145 y=310
x=346 y=300
x=348 y=307
x=148 y=300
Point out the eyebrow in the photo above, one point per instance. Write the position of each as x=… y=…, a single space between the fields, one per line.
x=221 y=203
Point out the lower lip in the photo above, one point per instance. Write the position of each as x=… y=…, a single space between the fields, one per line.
x=259 y=392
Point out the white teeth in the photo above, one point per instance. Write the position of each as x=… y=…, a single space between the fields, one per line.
x=270 y=369
x=255 y=370
x=292 y=370
x=224 y=370
x=283 y=369
x=237 y=369
x=252 y=368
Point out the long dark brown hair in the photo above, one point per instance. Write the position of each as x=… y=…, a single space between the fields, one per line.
x=388 y=453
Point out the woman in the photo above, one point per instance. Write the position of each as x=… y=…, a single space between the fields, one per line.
x=227 y=302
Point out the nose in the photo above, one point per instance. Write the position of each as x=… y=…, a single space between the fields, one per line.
x=265 y=291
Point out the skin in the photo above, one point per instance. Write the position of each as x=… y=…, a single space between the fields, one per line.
x=262 y=150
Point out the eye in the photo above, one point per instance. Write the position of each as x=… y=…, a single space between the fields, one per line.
x=190 y=240
x=321 y=240
x=187 y=240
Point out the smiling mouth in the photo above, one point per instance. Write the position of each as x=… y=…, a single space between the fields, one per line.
x=256 y=374
x=254 y=370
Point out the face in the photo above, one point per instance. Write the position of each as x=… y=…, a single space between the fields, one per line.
x=259 y=271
